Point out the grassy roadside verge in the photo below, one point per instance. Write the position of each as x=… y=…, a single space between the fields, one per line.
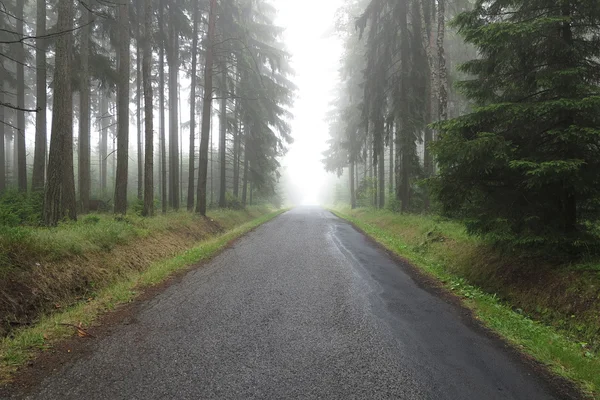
x=503 y=301
x=23 y=344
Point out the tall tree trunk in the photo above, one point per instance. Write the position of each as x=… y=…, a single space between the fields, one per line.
x=236 y=151
x=21 y=171
x=57 y=196
x=161 y=110
x=139 y=94
x=180 y=129
x=251 y=193
x=430 y=89
x=192 y=155
x=352 y=188
x=381 y=179
x=148 y=108
x=391 y=139
x=122 y=111
x=375 y=176
x=406 y=134
x=245 y=178
x=442 y=72
x=173 y=61
x=206 y=108
x=2 y=140
x=223 y=140
x=39 y=158
x=84 y=111
x=104 y=123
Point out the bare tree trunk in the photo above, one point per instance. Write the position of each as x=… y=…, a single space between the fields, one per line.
x=2 y=141
x=122 y=111
x=245 y=183
x=192 y=156
x=236 y=151
x=442 y=73
x=206 y=108
x=381 y=179
x=57 y=193
x=161 y=108
x=223 y=140
x=375 y=176
x=39 y=158
x=104 y=122
x=173 y=61
x=21 y=171
x=84 y=117
x=140 y=156
x=352 y=188
x=148 y=108
x=403 y=187
x=391 y=138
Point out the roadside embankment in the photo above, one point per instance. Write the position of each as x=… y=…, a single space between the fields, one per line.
x=54 y=279
x=550 y=310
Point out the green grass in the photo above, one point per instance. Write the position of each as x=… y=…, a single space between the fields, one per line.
x=24 y=344
x=442 y=249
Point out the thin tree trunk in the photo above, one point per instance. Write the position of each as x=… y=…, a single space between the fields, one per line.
x=122 y=111
x=104 y=122
x=223 y=141
x=403 y=187
x=245 y=183
x=391 y=138
x=21 y=171
x=173 y=61
x=39 y=158
x=381 y=179
x=206 y=109
x=180 y=142
x=56 y=193
x=161 y=107
x=140 y=156
x=375 y=176
x=2 y=141
x=192 y=155
x=442 y=73
x=236 y=151
x=148 y=108
x=84 y=115
x=352 y=188
x=251 y=193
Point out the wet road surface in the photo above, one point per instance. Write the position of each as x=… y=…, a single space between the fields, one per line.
x=305 y=307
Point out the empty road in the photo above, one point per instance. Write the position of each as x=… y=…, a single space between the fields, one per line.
x=305 y=307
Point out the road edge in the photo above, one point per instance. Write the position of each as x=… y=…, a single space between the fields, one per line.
x=58 y=333
x=441 y=286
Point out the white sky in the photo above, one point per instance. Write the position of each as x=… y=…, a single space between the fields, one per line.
x=316 y=55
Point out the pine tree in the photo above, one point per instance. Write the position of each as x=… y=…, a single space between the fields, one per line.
x=524 y=163
x=59 y=200
x=122 y=172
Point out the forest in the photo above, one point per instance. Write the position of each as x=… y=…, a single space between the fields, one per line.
x=487 y=112
x=106 y=106
x=139 y=139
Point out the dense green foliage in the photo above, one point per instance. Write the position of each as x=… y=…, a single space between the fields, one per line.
x=524 y=164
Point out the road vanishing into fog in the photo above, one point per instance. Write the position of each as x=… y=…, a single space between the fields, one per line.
x=304 y=307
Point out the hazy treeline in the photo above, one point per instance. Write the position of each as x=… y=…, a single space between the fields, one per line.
x=486 y=111
x=109 y=101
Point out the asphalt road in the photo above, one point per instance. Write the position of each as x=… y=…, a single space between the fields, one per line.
x=305 y=307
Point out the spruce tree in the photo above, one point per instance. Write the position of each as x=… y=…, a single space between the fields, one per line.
x=524 y=164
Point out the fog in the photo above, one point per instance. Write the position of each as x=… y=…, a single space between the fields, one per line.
x=316 y=54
